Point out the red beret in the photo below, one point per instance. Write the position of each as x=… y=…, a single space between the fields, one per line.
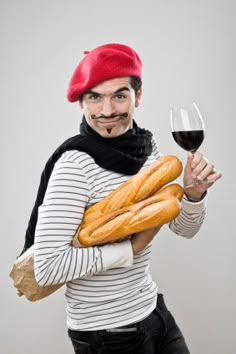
x=103 y=63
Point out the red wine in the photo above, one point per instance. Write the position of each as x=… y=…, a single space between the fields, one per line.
x=189 y=140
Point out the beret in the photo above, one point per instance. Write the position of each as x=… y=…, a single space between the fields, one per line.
x=105 y=62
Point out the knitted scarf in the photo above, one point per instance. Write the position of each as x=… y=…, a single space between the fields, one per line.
x=124 y=154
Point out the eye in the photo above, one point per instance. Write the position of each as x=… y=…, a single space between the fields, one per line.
x=120 y=97
x=93 y=97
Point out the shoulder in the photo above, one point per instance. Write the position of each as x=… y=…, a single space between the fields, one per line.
x=80 y=163
x=79 y=159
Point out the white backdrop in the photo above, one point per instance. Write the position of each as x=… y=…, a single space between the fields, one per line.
x=188 y=55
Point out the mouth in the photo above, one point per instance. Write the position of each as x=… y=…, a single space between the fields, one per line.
x=109 y=124
x=110 y=121
x=113 y=117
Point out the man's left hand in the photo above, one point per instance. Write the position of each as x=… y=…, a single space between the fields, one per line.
x=198 y=169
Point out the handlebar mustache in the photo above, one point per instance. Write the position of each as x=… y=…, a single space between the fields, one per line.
x=121 y=115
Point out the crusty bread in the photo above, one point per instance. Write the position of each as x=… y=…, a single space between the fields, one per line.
x=124 y=222
x=139 y=187
x=173 y=189
x=138 y=204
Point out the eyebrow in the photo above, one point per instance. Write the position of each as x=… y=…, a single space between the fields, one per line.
x=91 y=92
x=125 y=88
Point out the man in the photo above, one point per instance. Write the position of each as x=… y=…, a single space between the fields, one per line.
x=113 y=305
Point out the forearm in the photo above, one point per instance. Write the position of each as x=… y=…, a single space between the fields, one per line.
x=67 y=263
x=56 y=261
x=141 y=239
x=190 y=219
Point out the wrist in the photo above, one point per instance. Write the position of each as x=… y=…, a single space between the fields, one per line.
x=194 y=199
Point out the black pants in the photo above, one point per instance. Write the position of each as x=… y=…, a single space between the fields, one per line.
x=156 y=334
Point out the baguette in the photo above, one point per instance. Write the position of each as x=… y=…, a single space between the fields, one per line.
x=173 y=189
x=149 y=213
x=139 y=187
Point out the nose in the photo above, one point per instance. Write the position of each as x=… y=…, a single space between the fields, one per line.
x=107 y=107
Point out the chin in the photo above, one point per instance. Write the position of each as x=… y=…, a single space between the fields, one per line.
x=112 y=134
x=115 y=133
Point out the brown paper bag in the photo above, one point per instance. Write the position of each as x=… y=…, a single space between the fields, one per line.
x=22 y=273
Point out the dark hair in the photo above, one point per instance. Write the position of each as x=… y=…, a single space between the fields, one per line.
x=136 y=83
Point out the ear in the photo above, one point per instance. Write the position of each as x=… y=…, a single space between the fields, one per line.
x=138 y=97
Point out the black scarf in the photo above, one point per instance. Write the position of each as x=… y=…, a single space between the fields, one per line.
x=124 y=154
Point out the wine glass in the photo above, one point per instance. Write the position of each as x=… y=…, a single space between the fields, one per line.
x=188 y=130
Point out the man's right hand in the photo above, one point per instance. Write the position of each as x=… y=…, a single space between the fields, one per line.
x=141 y=239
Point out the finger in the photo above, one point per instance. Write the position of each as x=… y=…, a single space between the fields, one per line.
x=188 y=168
x=214 y=176
x=197 y=157
x=208 y=172
x=203 y=170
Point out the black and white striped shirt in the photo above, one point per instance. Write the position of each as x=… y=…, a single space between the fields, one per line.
x=106 y=286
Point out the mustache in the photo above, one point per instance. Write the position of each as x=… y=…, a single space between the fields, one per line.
x=114 y=115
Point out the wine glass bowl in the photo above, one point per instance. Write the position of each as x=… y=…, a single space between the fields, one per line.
x=188 y=130
x=187 y=127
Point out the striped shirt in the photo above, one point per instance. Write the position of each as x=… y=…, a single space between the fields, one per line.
x=106 y=286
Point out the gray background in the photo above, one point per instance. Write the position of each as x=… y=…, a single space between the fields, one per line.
x=188 y=55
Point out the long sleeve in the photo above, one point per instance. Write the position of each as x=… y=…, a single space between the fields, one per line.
x=190 y=219
x=55 y=260
x=191 y=216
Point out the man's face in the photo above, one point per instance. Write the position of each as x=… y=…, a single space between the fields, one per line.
x=109 y=107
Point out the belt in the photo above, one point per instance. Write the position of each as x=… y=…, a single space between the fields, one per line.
x=130 y=328
x=133 y=327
